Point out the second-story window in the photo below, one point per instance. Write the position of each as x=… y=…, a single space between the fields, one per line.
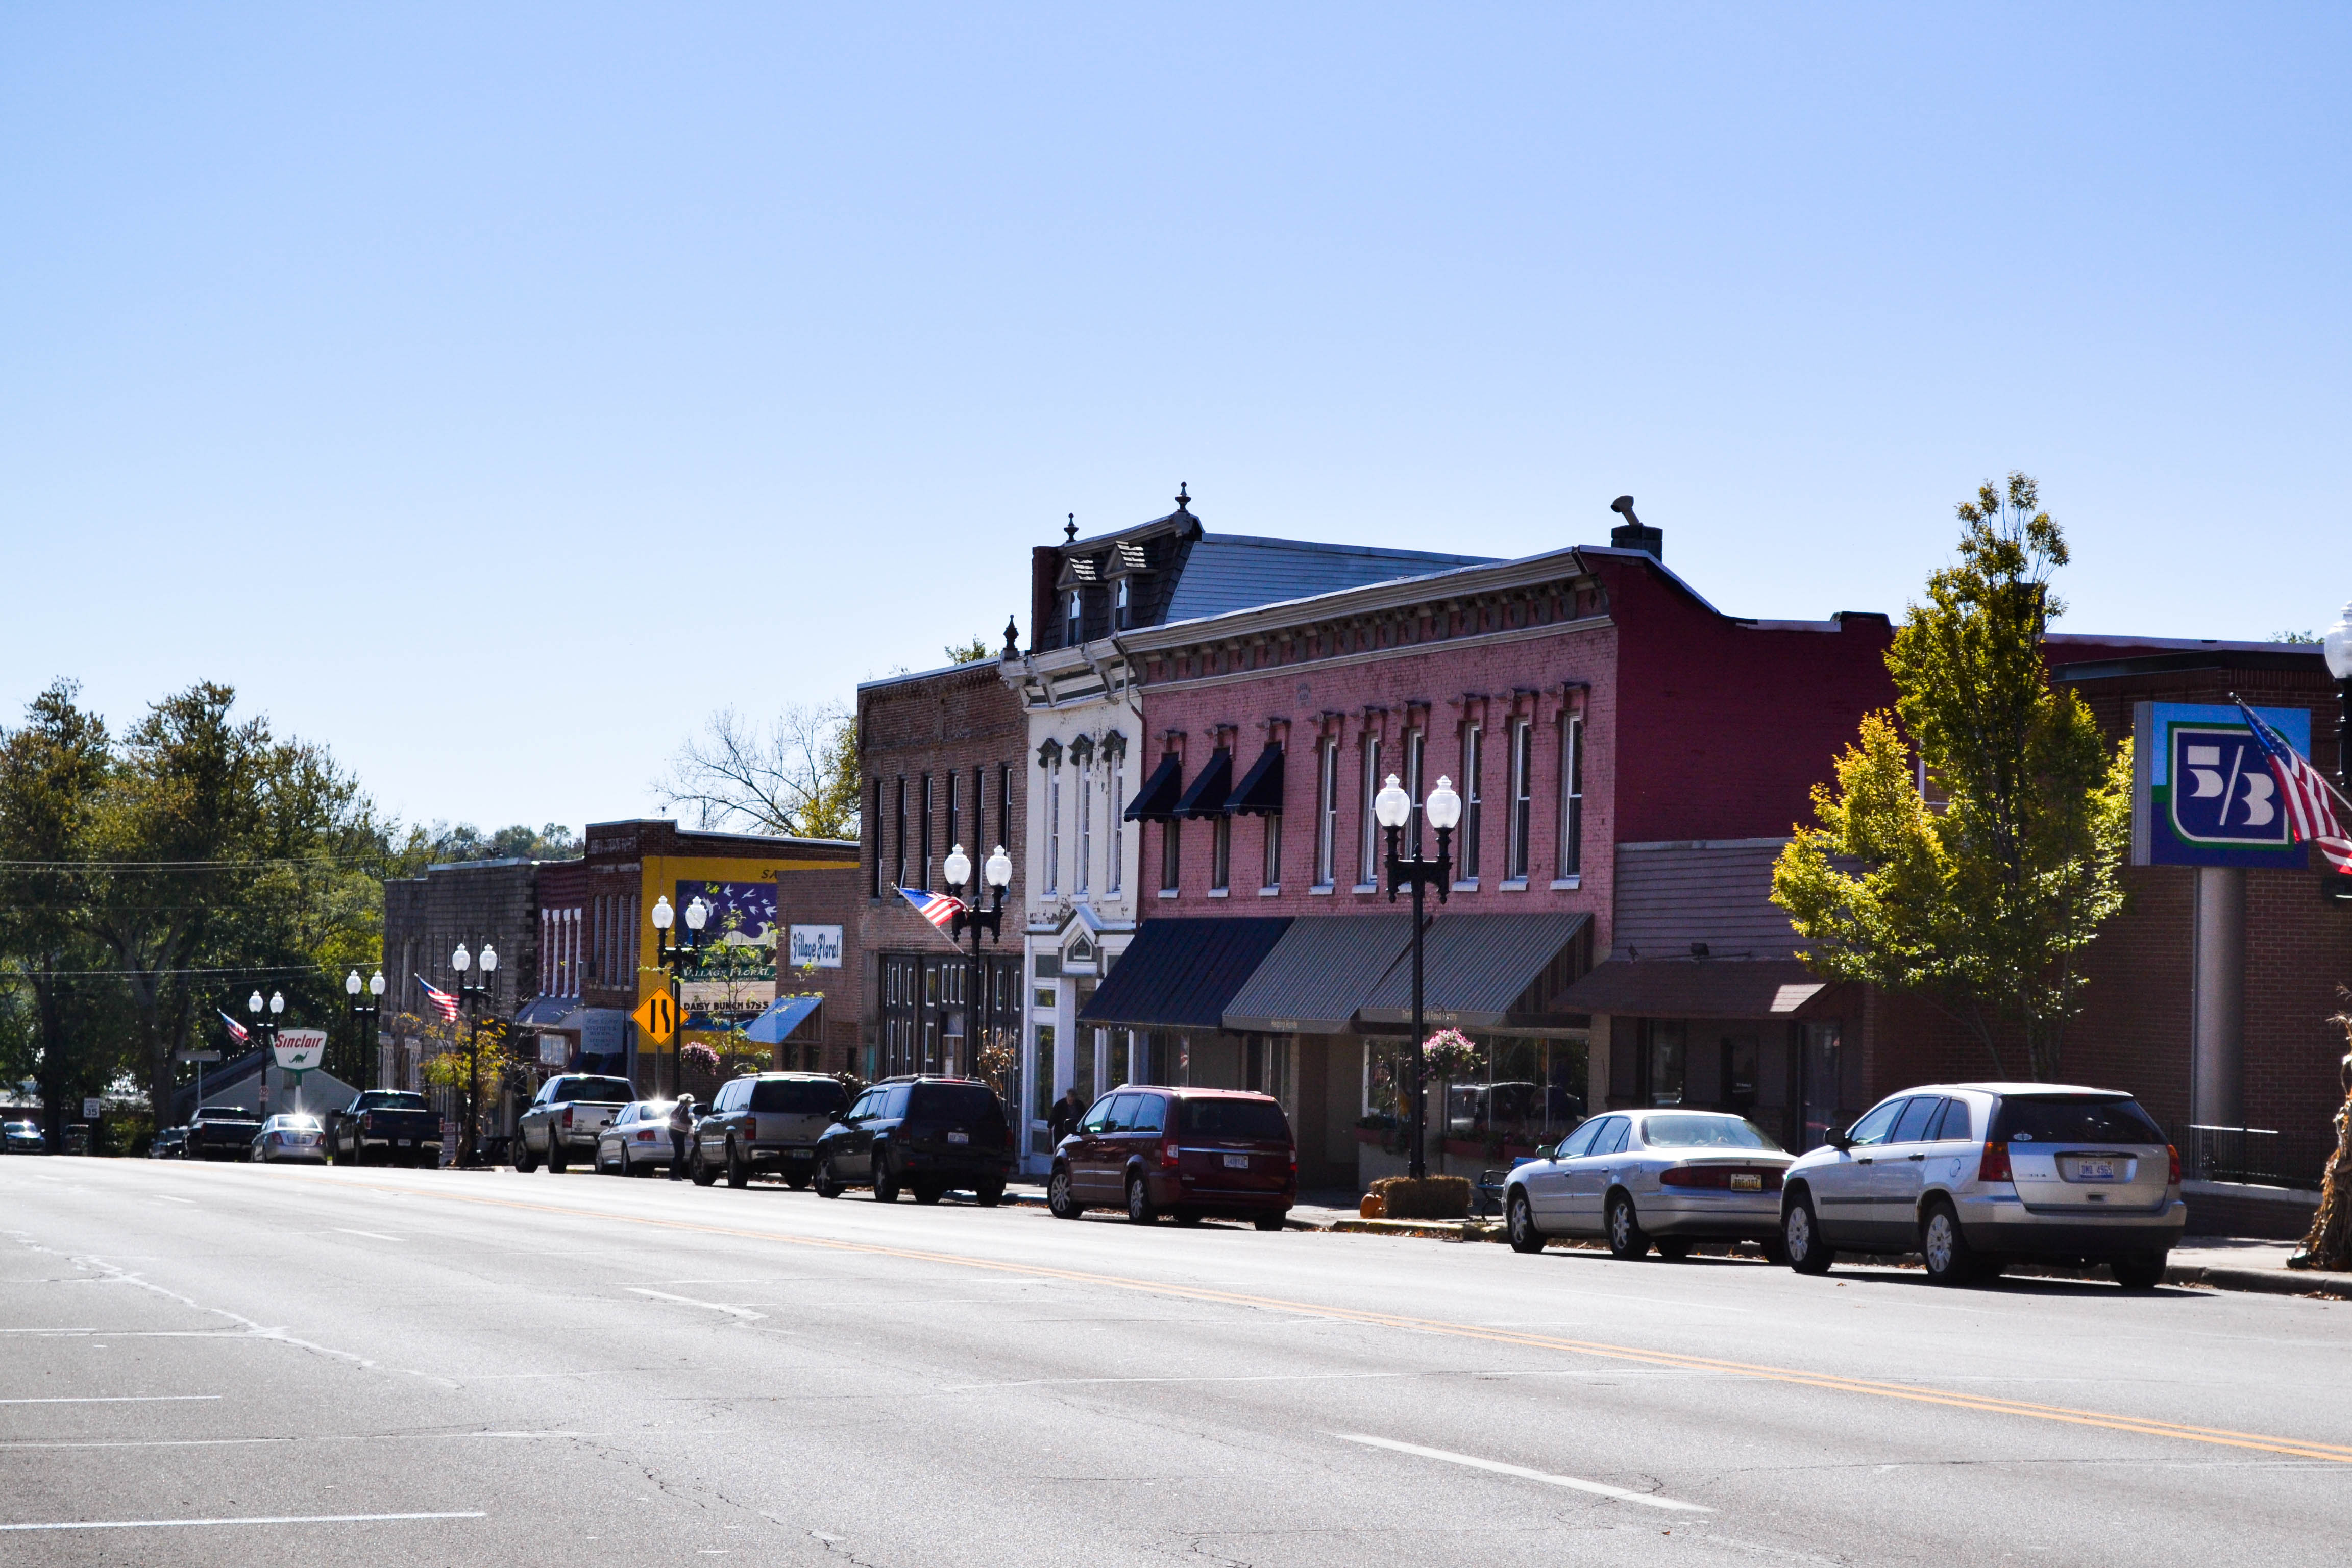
x=1523 y=766
x=1053 y=826
x=1084 y=868
x=1473 y=801
x=1326 y=813
x=1571 y=796
x=1114 y=871
x=952 y=838
x=923 y=865
x=1172 y=854
x=1120 y=606
x=1368 y=870
x=898 y=867
x=1072 y=621
x=1221 y=853
x=1272 y=875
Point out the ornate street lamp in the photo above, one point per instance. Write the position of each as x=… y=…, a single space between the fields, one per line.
x=475 y=996
x=364 y=1012
x=1392 y=808
x=999 y=874
x=677 y=959
x=2337 y=643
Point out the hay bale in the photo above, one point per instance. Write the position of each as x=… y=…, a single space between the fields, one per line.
x=1431 y=1197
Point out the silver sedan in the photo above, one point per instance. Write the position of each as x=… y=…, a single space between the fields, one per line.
x=1663 y=1178
x=289 y=1137
x=636 y=1142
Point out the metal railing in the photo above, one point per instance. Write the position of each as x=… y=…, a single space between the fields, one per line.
x=2251 y=1154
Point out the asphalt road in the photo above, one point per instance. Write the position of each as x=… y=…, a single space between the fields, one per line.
x=239 y=1365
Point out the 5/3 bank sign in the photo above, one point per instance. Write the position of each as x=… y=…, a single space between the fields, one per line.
x=2206 y=795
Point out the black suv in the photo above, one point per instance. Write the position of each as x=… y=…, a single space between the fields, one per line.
x=925 y=1134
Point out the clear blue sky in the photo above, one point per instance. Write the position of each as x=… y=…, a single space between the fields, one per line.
x=491 y=391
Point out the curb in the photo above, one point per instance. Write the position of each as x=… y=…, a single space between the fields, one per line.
x=2263 y=1281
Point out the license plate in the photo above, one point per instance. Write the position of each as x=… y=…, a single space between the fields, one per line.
x=803 y=1154
x=2094 y=1170
x=1237 y=1161
x=959 y=1136
x=1740 y=1183
x=406 y=1142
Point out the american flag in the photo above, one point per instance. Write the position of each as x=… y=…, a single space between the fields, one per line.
x=2306 y=791
x=236 y=1029
x=439 y=998
x=940 y=908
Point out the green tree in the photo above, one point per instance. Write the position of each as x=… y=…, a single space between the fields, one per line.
x=965 y=653
x=1982 y=894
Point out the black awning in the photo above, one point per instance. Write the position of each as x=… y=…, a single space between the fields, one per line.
x=1321 y=970
x=1261 y=790
x=1476 y=971
x=1180 y=974
x=1207 y=795
x=1156 y=801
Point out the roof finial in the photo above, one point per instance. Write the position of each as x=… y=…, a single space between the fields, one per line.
x=1070 y=532
x=1182 y=500
x=1012 y=640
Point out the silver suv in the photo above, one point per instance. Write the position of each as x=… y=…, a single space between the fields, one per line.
x=1972 y=1176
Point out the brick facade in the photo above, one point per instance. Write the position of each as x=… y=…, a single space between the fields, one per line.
x=958 y=734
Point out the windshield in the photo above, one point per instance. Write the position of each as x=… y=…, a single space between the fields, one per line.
x=1257 y=1119
x=2076 y=1118
x=1704 y=1133
x=391 y=1099
x=294 y=1124
x=615 y=1089
x=799 y=1097
x=225 y=1113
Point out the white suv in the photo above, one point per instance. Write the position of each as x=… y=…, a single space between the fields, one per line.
x=1975 y=1175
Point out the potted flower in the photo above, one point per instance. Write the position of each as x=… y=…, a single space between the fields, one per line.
x=1450 y=1054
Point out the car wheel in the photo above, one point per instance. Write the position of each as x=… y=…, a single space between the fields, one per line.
x=1625 y=1237
x=1520 y=1221
x=556 y=1160
x=2138 y=1273
x=525 y=1162
x=1800 y=1237
x=827 y=1184
x=1059 y=1199
x=1944 y=1249
x=703 y=1172
x=1271 y=1221
x=886 y=1183
x=928 y=1191
x=1674 y=1251
x=1139 y=1203
x=988 y=1195
x=739 y=1169
x=797 y=1182
x=1775 y=1250
x=1189 y=1216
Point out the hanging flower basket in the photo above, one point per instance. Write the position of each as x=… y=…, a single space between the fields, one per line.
x=1451 y=1054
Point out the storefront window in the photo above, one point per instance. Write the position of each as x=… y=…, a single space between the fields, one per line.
x=1665 y=1062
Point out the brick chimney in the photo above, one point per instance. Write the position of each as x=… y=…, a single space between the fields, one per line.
x=1634 y=534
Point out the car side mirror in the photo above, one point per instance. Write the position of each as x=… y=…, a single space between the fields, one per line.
x=1841 y=1139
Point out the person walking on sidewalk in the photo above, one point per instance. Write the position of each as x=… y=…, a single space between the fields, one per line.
x=1067 y=1111
x=681 y=1127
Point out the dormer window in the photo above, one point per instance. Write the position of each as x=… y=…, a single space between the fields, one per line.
x=1118 y=602
x=1072 y=623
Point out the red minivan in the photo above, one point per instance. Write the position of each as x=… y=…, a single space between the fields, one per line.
x=1190 y=1153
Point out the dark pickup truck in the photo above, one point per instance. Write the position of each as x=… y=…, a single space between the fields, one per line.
x=385 y=1127
x=221 y=1132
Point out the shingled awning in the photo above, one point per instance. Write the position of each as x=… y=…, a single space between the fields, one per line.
x=1476 y=969
x=1697 y=988
x=1322 y=970
x=1180 y=974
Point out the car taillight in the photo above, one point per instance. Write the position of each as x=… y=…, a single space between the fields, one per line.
x=1168 y=1155
x=367 y=1123
x=567 y=1116
x=2174 y=1154
x=1994 y=1166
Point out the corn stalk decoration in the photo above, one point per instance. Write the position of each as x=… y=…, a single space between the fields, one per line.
x=2329 y=1244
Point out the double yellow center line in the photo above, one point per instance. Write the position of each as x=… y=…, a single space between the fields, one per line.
x=2294 y=1448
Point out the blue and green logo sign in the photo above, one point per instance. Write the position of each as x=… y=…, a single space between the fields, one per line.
x=2206 y=795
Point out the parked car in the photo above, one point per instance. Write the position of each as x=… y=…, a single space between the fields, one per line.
x=927 y=1135
x=1664 y=1178
x=772 y=1122
x=1190 y=1153
x=289 y=1137
x=24 y=1138
x=1972 y=1176
x=390 y=1126
x=636 y=1142
x=222 y=1133
x=169 y=1143
x=563 y=1121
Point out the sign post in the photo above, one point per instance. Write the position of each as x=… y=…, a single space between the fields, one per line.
x=298 y=1051
x=2203 y=796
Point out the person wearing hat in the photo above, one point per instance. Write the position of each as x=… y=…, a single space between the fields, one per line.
x=681 y=1128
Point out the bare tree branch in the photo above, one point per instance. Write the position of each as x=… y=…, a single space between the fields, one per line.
x=797 y=777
